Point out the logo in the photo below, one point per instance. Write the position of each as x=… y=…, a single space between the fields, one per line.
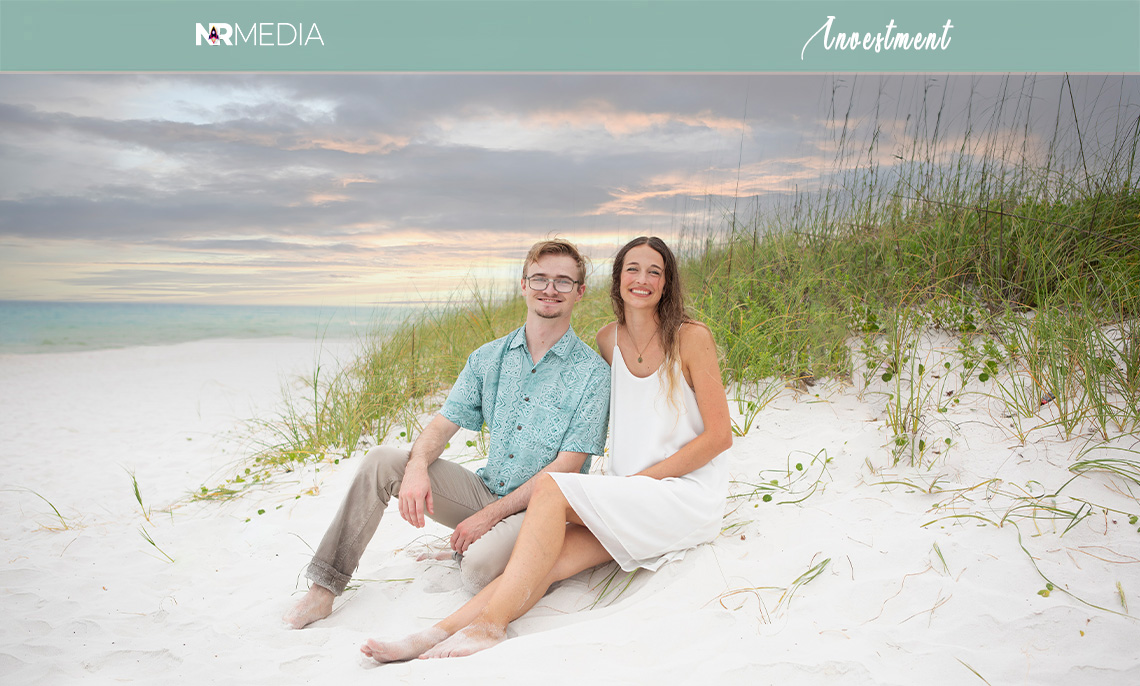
x=217 y=33
x=880 y=42
x=259 y=34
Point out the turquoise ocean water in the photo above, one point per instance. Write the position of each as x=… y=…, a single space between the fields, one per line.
x=39 y=327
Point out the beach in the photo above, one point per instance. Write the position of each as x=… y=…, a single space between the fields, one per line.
x=856 y=570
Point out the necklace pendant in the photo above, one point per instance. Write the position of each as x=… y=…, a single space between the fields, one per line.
x=639 y=358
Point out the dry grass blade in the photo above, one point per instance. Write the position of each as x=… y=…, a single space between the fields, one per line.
x=973 y=670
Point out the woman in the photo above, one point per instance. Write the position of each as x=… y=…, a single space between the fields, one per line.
x=670 y=419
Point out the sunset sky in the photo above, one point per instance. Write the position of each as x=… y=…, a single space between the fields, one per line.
x=356 y=189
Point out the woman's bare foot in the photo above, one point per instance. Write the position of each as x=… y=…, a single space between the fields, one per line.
x=471 y=639
x=405 y=649
x=316 y=604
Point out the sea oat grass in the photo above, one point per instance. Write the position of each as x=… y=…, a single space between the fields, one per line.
x=64 y=525
x=396 y=377
x=150 y=540
x=995 y=226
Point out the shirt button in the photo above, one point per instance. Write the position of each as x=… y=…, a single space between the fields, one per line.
x=526 y=400
x=532 y=371
x=501 y=483
x=511 y=456
x=519 y=427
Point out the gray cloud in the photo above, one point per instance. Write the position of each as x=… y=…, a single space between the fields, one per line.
x=296 y=170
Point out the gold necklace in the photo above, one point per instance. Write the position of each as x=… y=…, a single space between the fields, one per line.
x=644 y=348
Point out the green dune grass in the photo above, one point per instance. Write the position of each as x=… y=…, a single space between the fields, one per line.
x=1030 y=257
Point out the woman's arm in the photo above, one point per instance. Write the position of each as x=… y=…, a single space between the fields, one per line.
x=605 y=341
x=699 y=364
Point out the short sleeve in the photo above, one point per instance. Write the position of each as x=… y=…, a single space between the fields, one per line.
x=587 y=431
x=464 y=404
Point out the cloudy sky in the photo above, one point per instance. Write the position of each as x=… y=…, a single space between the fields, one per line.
x=355 y=189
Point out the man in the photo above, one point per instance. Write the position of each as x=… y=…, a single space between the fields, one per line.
x=543 y=394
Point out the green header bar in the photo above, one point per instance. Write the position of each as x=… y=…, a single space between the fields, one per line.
x=571 y=35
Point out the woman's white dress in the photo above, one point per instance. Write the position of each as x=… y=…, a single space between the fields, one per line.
x=641 y=521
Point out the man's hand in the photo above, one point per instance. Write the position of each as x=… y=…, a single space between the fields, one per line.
x=415 y=489
x=472 y=528
x=415 y=495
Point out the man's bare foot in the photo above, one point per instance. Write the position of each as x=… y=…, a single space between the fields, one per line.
x=316 y=604
x=471 y=639
x=405 y=649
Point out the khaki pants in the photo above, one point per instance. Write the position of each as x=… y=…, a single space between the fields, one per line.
x=457 y=493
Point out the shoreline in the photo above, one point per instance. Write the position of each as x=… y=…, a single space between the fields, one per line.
x=30 y=327
x=338 y=342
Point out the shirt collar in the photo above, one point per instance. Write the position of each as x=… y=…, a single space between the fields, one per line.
x=518 y=338
x=561 y=348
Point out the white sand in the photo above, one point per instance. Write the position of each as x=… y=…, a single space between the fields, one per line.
x=95 y=602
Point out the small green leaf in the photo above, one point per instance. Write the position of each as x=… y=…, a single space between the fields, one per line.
x=799 y=466
x=1132 y=519
x=983 y=377
x=888 y=376
x=767 y=497
x=262 y=511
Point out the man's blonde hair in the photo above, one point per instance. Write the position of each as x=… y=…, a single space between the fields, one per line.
x=556 y=246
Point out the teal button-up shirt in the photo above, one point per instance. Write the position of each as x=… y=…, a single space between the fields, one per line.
x=533 y=411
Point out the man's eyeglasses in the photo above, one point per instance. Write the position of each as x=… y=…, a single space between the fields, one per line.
x=539 y=283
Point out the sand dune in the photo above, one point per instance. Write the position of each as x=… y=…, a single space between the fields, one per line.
x=920 y=584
